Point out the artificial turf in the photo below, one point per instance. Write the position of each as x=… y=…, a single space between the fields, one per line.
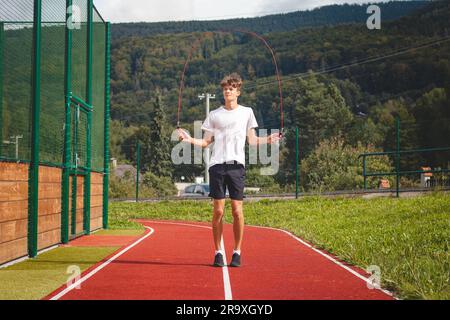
x=35 y=278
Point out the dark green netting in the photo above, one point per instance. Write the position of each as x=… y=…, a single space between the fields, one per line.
x=98 y=92
x=79 y=52
x=82 y=138
x=51 y=131
x=16 y=43
x=16 y=74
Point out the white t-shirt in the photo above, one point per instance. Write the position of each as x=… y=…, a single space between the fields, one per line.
x=229 y=128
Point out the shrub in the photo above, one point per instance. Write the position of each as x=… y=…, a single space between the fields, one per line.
x=333 y=165
x=125 y=188
x=163 y=186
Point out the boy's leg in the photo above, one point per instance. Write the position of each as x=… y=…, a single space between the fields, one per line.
x=238 y=222
x=217 y=192
x=236 y=180
x=217 y=222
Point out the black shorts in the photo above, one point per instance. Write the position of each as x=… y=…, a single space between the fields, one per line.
x=227 y=176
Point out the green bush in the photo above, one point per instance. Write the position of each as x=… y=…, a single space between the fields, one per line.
x=125 y=188
x=254 y=178
x=267 y=184
x=163 y=186
x=333 y=165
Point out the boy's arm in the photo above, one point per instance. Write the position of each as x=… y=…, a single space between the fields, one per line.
x=255 y=140
x=208 y=138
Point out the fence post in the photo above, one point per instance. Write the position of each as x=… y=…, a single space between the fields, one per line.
x=74 y=177
x=364 y=172
x=397 y=160
x=2 y=39
x=106 y=144
x=138 y=168
x=87 y=179
x=296 y=163
x=67 y=133
x=33 y=183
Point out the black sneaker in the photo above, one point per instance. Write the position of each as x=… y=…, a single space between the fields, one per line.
x=218 y=260
x=235 y=260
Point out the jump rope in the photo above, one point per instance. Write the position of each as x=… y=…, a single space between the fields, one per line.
x=231 y=31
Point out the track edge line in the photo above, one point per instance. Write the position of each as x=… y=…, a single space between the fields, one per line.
x=101 y=266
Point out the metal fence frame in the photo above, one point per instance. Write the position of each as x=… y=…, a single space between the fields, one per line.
x=67 y=166
x=397 y=173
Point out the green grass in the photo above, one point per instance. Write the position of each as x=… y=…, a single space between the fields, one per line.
x=408 y=238
x=121 y=232
x=35 y=278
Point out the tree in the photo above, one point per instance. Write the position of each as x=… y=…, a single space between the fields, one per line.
x=384 y=116
x=320 y=112
x=364 y=131
x=157 y=160
x=118 y=134
x=155 y=143
x=163 y=186
x=432 y=114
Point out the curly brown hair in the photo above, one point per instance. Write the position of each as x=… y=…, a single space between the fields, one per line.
x=233 y=80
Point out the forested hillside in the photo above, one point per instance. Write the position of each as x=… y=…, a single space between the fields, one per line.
x=332 y=75
x=323 y=16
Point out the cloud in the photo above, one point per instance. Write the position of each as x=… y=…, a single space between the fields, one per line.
x=144 y=10
x=207 y=9
x=172 y=10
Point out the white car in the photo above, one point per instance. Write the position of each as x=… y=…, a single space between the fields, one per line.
x=196 y=190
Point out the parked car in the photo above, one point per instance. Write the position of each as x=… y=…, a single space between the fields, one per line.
x=196 y=190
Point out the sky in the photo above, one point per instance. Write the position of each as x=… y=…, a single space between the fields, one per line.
x=178 y=10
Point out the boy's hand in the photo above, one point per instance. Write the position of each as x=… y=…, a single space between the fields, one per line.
x=183 y=135
x=274 y=137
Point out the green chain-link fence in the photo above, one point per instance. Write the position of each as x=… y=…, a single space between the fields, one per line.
x=54 y=97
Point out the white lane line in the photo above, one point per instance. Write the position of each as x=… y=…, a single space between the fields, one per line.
x=100 y=267
x=367 y=280
x=226 y=275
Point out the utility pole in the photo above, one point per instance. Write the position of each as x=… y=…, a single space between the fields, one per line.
x=17 y=144
x=138 y=167
x=208 y=96
x=397 y=156
x=14 y=140
x=296 y=162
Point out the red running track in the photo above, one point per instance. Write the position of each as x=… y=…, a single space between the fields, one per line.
x=173 y=261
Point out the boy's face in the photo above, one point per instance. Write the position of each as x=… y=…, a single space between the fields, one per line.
x=231 y=93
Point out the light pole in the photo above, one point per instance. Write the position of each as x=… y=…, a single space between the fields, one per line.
x=208 y=96
x=14 y=140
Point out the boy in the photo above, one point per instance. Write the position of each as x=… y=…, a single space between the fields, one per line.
x=227 y=127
